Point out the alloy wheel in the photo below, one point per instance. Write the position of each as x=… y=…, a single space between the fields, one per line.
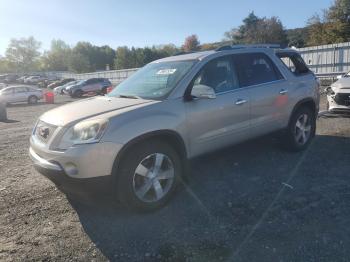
x=153 y=177
x=302 y=129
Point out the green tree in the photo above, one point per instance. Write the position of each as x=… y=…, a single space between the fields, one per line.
x=4 y=65
x=23 y=54
x=255 y=30
x=191 y=43
x=79 y=63
x=297 y=37
x=332 y=27
x=58 y=57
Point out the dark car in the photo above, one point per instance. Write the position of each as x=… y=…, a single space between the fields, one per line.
x=92 y=85
x=60 y=82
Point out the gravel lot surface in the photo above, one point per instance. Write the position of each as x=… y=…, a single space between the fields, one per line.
x=251 y=202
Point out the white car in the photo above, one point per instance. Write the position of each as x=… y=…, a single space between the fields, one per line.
x=338 y=95
x=15 y=94
x=33 y=79
x=60 y=89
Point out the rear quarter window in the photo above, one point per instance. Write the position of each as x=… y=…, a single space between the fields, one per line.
x=295 y=63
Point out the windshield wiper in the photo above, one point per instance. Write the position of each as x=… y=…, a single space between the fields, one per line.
x=130 y=96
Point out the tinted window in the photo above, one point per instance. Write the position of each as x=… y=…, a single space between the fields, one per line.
x=91 y=81
x=219 y=74
x=294 y=63
x=256 y=68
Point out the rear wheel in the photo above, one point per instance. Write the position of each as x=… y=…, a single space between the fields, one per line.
x=103 y=91
x=148 y=176
x=301 y=129
x=32 y=100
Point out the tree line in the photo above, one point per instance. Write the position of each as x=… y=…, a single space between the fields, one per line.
x=22 y=55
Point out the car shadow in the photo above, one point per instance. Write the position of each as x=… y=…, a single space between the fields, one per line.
x=25 y=104
x=8 y=121
x=235 y=202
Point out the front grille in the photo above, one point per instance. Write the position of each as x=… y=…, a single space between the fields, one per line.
x=43 y=131
x=342 y=99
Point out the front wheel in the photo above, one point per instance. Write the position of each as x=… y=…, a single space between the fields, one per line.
x=148 y=175
x=301 y=129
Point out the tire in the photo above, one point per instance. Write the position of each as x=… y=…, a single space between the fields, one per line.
x=78 y=93
x=32 y=100
x=299 y=133
x=142 y=190
x=103 y=91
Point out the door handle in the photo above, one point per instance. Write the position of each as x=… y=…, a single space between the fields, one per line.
x=283 y=91
x=240 y=102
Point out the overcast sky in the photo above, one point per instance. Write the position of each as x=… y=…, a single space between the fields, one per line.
x=140 y=23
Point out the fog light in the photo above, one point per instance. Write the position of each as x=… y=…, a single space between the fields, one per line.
x=71 y=169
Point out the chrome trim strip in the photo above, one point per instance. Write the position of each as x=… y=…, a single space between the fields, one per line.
x=252 y=86
x=43 y=162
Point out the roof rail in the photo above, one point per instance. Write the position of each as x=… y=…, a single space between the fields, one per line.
x=231 y=47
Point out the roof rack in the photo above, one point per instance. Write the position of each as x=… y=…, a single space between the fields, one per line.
x=231 y=47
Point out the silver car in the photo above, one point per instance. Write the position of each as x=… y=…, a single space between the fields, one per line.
x=15 y=94
x=142 y=133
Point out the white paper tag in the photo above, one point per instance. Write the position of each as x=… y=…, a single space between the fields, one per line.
x=166 y=71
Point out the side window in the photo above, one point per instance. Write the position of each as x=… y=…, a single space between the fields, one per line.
x=294 y=63
x=21 y=89
x=255 y=69
x=219 y=74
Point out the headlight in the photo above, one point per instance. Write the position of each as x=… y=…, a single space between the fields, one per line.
x=85 y=132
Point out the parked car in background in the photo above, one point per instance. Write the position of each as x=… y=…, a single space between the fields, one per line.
x=60 y=82
x=60 y=89
x=34 y=79
x=10 y=78
x=21 y=79
x=15 y=94
x=92 y=85
x=338 y=95
x=142 y=133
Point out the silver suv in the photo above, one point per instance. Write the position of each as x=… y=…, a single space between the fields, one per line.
x=173 y=109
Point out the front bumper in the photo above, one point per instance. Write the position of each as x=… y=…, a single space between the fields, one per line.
x=334 y=106
x=81 y=161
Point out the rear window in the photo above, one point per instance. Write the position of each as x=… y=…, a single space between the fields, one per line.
x=294 y=63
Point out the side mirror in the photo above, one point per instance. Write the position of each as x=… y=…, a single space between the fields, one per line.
x=203 y=91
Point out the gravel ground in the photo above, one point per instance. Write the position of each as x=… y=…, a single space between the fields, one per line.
x=251 y=202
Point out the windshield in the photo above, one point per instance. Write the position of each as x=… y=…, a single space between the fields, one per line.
x=153 y=81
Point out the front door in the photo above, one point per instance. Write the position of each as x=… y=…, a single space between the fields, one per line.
x=221 y=121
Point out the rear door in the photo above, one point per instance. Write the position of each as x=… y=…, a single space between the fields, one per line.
x=224 y=120
x=268 y=91
x=21 y=94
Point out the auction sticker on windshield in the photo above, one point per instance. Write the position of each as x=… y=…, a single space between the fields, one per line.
x=166 y=71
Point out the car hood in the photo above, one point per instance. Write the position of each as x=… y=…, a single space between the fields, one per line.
x=342 y=85
x=90 y=107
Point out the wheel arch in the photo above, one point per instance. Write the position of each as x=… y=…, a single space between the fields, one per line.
x=169 y=136
x=307 y=102
x=28 y=99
